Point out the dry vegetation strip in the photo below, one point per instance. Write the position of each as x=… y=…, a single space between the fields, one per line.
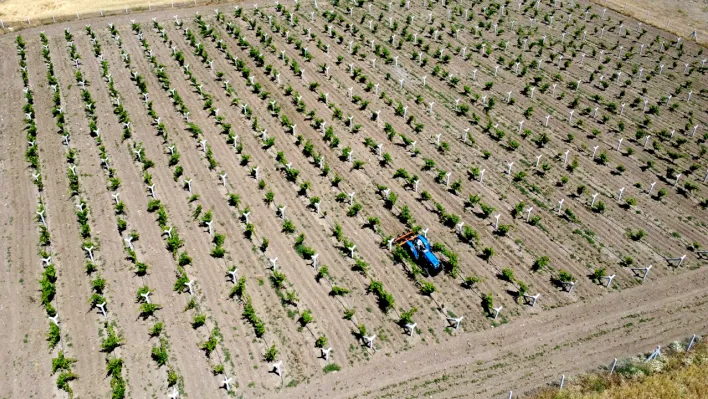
x=13 y=11
x=678 y=375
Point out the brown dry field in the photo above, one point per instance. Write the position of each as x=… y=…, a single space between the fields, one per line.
x=17 y=11
x=524 y=349
x=680 y=16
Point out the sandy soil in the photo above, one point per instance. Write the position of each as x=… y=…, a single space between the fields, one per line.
x=17 y=11
x=24 y=354
x=677 y=16
x=587 y=325
x=525 y=354
x=80 y=323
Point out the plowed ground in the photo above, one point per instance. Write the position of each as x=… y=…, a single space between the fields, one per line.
x=524 y=348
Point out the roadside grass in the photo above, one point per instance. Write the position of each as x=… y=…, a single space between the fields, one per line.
x=676 y=374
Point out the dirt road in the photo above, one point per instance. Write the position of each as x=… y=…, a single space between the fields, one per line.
x=526 y=354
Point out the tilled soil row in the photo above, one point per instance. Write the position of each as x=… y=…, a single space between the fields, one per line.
x=79 y=321
x=301 y=205
x=207 y=280
x=221 y=209
x=26 y=322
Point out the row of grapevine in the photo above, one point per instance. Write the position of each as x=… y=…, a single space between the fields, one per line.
x=111 y=337
x=48 y=282
x=308 y=150
x=291 y=173
x=171 y=236
x=234 y=199
x=148 y=307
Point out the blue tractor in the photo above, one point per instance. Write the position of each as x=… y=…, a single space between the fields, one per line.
x=419 y=249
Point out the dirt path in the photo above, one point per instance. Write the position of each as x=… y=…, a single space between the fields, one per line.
x=14 y=12
x=566 y=341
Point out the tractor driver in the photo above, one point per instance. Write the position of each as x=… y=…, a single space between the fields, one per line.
x=419 y=244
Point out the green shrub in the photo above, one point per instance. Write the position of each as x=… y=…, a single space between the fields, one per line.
x=331 y=367
x=507 y=275
x=339 y=291
x=271 y=354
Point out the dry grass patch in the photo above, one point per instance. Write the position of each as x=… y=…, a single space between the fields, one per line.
x=18 y=10
x=676 y=375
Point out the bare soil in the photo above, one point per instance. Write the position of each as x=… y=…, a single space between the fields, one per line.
x=679 y=17
x=525 y=348
x=17 y=12
x=523 y=355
